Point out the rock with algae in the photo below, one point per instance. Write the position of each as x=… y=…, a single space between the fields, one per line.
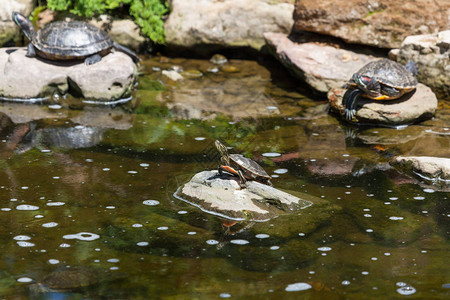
x=222 y=195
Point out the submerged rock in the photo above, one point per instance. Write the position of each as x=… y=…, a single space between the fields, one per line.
x=413 y=107
x=427 y=167
x=378 y=23
x=228 y=23
x=25 y=78
x=322 y=67
x=431 y=53
x=222 y=195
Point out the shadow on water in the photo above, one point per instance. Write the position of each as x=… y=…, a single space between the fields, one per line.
x=92 y=187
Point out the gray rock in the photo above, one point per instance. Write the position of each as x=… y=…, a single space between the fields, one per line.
x=228 y=23
x=322 y=67
x=24 y=78
x=378 y=23
x=427 y=167
x=223 y=196
x=411 y=108
x=431 y=53
x=123 y=32
x=8 y=29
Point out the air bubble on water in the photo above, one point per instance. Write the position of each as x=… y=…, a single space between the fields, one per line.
x=25 y=244
x=38 y=216
x=345 y=155
x=13 y=199
x=182 y=212
x=132 y=172
x=55 y=203
x=150 y=202
x=53 y=261
x=275 y=176
x=324 y=249
x=365 y=273
x=46 y=150
x=423 y=251
x=24 y=188
x=114 y=268
x=89 y=160
x=55 y=106
x=374 y=258
x=22 y=238
x=395 y=218
x=345 y=282
x=200 y=138
x=225 y=295
x=419 y=198
x=274 y=247
x=393 y=198
x=387 y=254
x=313 y=159
x=387 y=203
x=56 y=177
x=280 y=171
x=446 y=285
x=5 y=209
x=50 y=224
x=24 y=279
x=27 y=207
x=64 y=245
x=262 y=236
x=401 y=284
x=301 y=234
x=163 y=228
x=212 y=242
x=113 y=260
x=192 y=233
x=142 y=244
x=271 y=154
x=271 y=107
x=144 y=165
x=406 y=290
x=82 y=236
x=110 y=207
x=136 y=225
x=369 y=230
x=367 y=215
x=296 y=287
x=239 y=242
x=106 y=169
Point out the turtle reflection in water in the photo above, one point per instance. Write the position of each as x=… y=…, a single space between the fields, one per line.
x=382 y=79
x=68 y=40
x=241 y=166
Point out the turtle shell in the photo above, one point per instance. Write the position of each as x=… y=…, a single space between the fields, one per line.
x=390 y=73
x=251 y=169
x=71 y=40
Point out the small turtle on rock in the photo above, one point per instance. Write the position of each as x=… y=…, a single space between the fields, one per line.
x=69 y=40
x=239 y=165
x=382 y=79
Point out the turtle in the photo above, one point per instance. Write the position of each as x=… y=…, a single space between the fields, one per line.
x=64 y=40
x=382 y=79
x=239 y=165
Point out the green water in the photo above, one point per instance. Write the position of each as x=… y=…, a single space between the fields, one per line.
x=75 y=178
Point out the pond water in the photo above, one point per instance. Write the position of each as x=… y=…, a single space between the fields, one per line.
x=89 y=188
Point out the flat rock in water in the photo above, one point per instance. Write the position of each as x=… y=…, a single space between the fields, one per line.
x=222 y=195
x=431 y=168
x=413 y=107
x=25 y=78
x=322 y=67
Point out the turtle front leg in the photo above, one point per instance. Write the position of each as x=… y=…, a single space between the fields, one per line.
x=391 y=92
x=350 y=104
x=31 y=52
x=93 y=59
x=242 y=178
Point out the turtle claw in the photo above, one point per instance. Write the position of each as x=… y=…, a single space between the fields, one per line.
x=349 y=102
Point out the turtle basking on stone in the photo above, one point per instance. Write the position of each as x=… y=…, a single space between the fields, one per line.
x=382 y=79
x=241 y=166
x=69 y=40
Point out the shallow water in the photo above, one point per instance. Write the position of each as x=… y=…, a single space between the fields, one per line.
x=91 y=187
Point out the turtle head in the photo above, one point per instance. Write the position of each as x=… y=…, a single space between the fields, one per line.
x=24 y=24
x=225 y=157
x=367 y=84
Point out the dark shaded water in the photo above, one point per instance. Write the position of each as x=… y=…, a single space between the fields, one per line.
x=76 y=180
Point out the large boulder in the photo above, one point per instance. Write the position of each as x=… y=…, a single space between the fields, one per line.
x=222 y=195
x=227 y=23
x=22 y=77
x=8 y=29
x=411 y=108
x=431 y=53
x=323 y=67
x=382 y=23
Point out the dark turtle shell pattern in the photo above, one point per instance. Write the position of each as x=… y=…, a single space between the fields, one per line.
x=251 y=169
x=71 y=40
